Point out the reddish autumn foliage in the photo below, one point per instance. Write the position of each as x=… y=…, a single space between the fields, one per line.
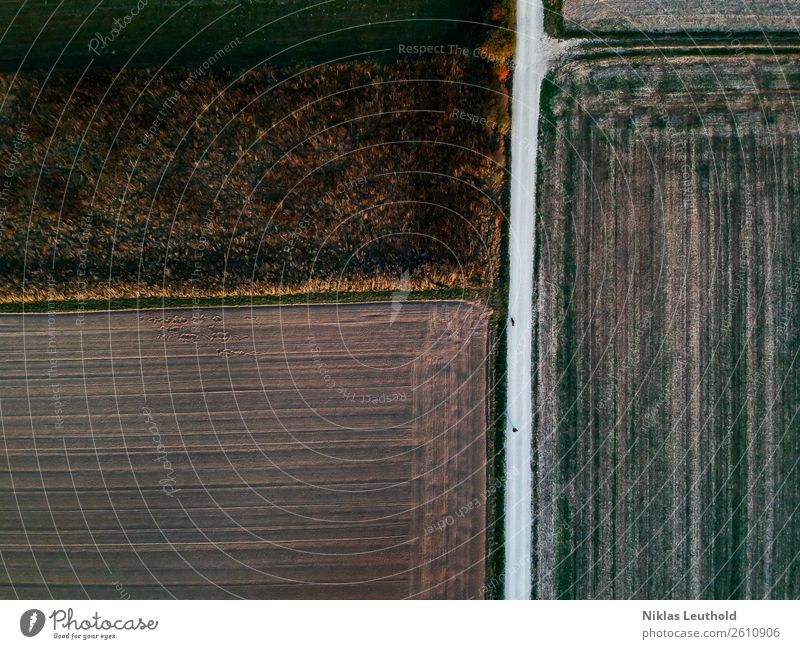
x=273 y=180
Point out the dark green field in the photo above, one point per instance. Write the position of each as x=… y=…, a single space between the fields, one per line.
x=667 y=436
x=45 y=34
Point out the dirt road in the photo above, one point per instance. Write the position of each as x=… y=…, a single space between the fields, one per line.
x=529 y=71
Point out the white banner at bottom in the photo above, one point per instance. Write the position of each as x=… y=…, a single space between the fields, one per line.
x=369 y=624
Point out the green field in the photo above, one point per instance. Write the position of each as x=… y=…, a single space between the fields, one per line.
x=44 y=34
x=667 y=380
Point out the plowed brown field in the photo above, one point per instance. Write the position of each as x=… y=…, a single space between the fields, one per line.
x=319 y=451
